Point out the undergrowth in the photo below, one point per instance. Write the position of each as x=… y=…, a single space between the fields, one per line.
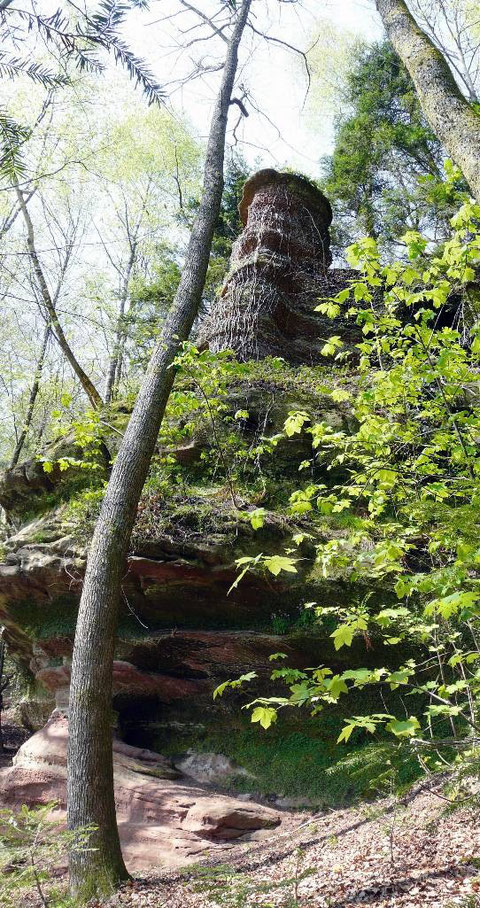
x=305 y=763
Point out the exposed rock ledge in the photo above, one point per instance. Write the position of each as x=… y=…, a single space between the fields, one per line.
x=162 y=817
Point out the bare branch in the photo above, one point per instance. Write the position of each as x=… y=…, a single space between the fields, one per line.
x=296 y=50
x=241 y=105
x=206 y=19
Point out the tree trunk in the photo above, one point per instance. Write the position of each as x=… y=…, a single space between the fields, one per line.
x=49 y=303
x=3 y=684
x=451 y=117
x=33 y=396
x=113 y=376
x=90 y=765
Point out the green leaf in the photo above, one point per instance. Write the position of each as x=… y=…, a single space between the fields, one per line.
x=345 y=733
x=336 y=686
x=265 y=715
x=343 y=635
x=331 y=309
x=220 y=690
x=237 y=682
x=450 y=605
x=295 y=422
x=277 y=563
x=333 y=344
x=403 y=728
x=395 y=679
x=247 y=562
x=339 y=395
x=257 y=518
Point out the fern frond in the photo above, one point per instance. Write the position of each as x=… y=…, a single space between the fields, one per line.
x=98 y=30
x=11 y=67
x=12 y=138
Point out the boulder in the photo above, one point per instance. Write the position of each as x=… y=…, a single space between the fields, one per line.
x=219 y=818
x=162 y=818
x=210 y=768
x=31 y=713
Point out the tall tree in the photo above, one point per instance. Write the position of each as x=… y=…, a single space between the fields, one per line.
x=90 y=775
x=452 y=117
x=32 y=397
x=49 y=301
x=92 y=176
x=386 y=170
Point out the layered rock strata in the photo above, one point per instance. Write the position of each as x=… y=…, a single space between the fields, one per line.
x=279 y=271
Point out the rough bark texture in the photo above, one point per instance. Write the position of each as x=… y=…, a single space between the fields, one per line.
x=451 y=117
x=279 y=270
x=90 y=782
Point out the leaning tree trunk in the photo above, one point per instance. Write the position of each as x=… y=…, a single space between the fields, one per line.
x=32 y=398
x=450 y=115
x=49 y=303
x=90 y=764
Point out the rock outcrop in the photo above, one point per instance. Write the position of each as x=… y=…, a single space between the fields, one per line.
x=279 y=272
x=184 y=627
x=181 y=633
x=163 y=819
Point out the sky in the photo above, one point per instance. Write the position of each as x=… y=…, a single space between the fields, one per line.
x=280 y=133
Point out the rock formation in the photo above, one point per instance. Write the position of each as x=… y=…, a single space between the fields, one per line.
x=161 y=817
x=279 y=272
x=182 y=629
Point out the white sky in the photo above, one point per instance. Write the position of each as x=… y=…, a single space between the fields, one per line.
x=274 y=75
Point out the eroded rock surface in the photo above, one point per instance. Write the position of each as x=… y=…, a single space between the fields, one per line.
x=162 y=817
x=279 y=271
x=183 y=629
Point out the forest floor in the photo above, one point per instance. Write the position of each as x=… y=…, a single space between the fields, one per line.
x=392 y=853
x=407 y=852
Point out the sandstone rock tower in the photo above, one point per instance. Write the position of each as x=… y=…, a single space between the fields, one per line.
x=279 y=271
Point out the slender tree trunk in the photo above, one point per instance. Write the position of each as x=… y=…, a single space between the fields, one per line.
x=33 y=396
x=12 y=217
x=49 y=303
x=450 y=115
x=113 y=376
x=90 y=764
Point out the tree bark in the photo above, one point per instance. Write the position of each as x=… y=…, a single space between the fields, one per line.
x=90 y=764
x=450 y=115
x=33 y=396
x=49 y=303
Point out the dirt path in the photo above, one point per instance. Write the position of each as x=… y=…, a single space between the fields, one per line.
x=387 y=855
